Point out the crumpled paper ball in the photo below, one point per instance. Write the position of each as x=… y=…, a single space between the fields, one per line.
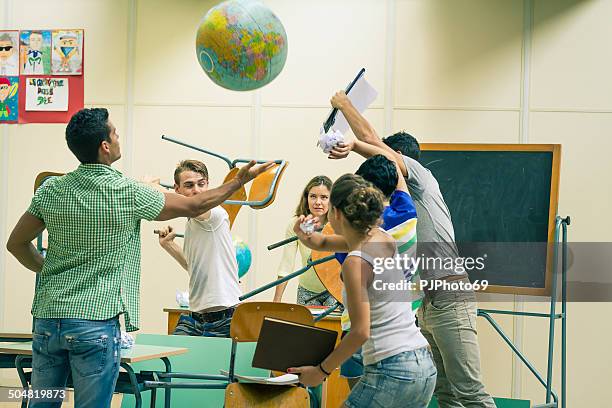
x=308 y=227
x=182 y=298
x=127 y=341
x=329 y=140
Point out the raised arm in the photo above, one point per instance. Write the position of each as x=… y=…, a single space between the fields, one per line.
x=362 y=129
x=367 y=150
x=177 y=205
x=360 y=126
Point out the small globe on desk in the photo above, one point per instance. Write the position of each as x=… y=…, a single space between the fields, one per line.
x=243 y=257
x=241 y=45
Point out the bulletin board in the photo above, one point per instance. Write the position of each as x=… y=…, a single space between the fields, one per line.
x=41 y=75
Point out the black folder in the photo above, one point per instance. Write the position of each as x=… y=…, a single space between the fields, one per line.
x=332 y=116
x=283 y=344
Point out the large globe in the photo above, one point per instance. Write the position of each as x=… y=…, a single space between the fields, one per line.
x=241 y=45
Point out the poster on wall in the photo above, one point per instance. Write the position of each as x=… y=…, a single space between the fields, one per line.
x=67 y=56
x=35 y=52
x=74 y=88
x=46 y=94
x=9 y=55
x=9 y=87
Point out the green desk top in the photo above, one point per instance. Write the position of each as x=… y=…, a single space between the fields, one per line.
x=138 y=352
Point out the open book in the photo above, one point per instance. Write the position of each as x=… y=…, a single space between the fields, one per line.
x=286 y=379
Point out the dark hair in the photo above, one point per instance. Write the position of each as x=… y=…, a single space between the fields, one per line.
x=359 y=201
x=381 y=172
x=87 y=129
x=190 y=165
x=302 y=208
x=404 y=143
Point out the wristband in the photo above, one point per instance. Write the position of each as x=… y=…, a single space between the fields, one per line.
x=322 y=370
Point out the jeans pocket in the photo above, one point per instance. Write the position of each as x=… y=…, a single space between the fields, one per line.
x=469 y=310
x=88 y=356
x=41 y=359
x=443 y=302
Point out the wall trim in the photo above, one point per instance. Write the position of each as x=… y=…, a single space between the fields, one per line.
x=518 y=322
x=389 y=67
x=256 y=109
x=528 y=8
x=4 y=181
x=128 y=153
x=458 y=108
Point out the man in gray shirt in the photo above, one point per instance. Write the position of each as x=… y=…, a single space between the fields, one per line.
x=447 y=319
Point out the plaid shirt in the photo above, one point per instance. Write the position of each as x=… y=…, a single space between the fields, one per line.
x=92 y=267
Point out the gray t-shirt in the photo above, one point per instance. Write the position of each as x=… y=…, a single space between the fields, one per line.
x=435 y=233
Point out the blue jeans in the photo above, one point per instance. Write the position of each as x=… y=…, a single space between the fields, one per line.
x=188 y=326
x=304 y=294
x=87 y=349
x=353 y=367
x=406 y=379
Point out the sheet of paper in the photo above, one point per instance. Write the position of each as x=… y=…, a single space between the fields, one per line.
x=47 y=94
x=285 y=379
x=9 y=99
x=316 y=312
x=67 y=53
x=362 y=95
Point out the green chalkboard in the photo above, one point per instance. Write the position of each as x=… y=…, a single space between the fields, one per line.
x=503 y=203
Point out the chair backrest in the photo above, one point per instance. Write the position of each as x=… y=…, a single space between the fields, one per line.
x=248 y=318
x=239 y=195
x=264 y=187
x=42 y=177
x=329 y=272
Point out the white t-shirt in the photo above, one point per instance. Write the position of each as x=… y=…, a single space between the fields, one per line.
x=211 y=257
x=393 y=328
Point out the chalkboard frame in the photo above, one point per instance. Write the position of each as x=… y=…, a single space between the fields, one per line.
x=555 y=149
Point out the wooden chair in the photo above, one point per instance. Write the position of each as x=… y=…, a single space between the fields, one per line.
x=263 y=189
x=239 y=195
x=42 y=177
x=245 y=327
x=265 y=396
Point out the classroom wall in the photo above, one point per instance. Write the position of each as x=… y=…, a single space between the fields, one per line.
x=481 y=71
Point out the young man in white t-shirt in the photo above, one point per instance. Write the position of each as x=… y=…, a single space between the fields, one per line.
x=208 y=255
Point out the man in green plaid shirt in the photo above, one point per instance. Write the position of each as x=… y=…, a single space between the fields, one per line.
x=91 y=273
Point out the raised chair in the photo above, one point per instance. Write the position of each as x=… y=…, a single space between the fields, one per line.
x=263 y=189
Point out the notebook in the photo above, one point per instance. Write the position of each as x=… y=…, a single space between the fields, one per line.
x=283 y=344
x=286 y=379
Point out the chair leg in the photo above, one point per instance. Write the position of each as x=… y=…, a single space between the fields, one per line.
x=134 y=382
x=153 y=397
x=24 y=382
x=167 y=395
